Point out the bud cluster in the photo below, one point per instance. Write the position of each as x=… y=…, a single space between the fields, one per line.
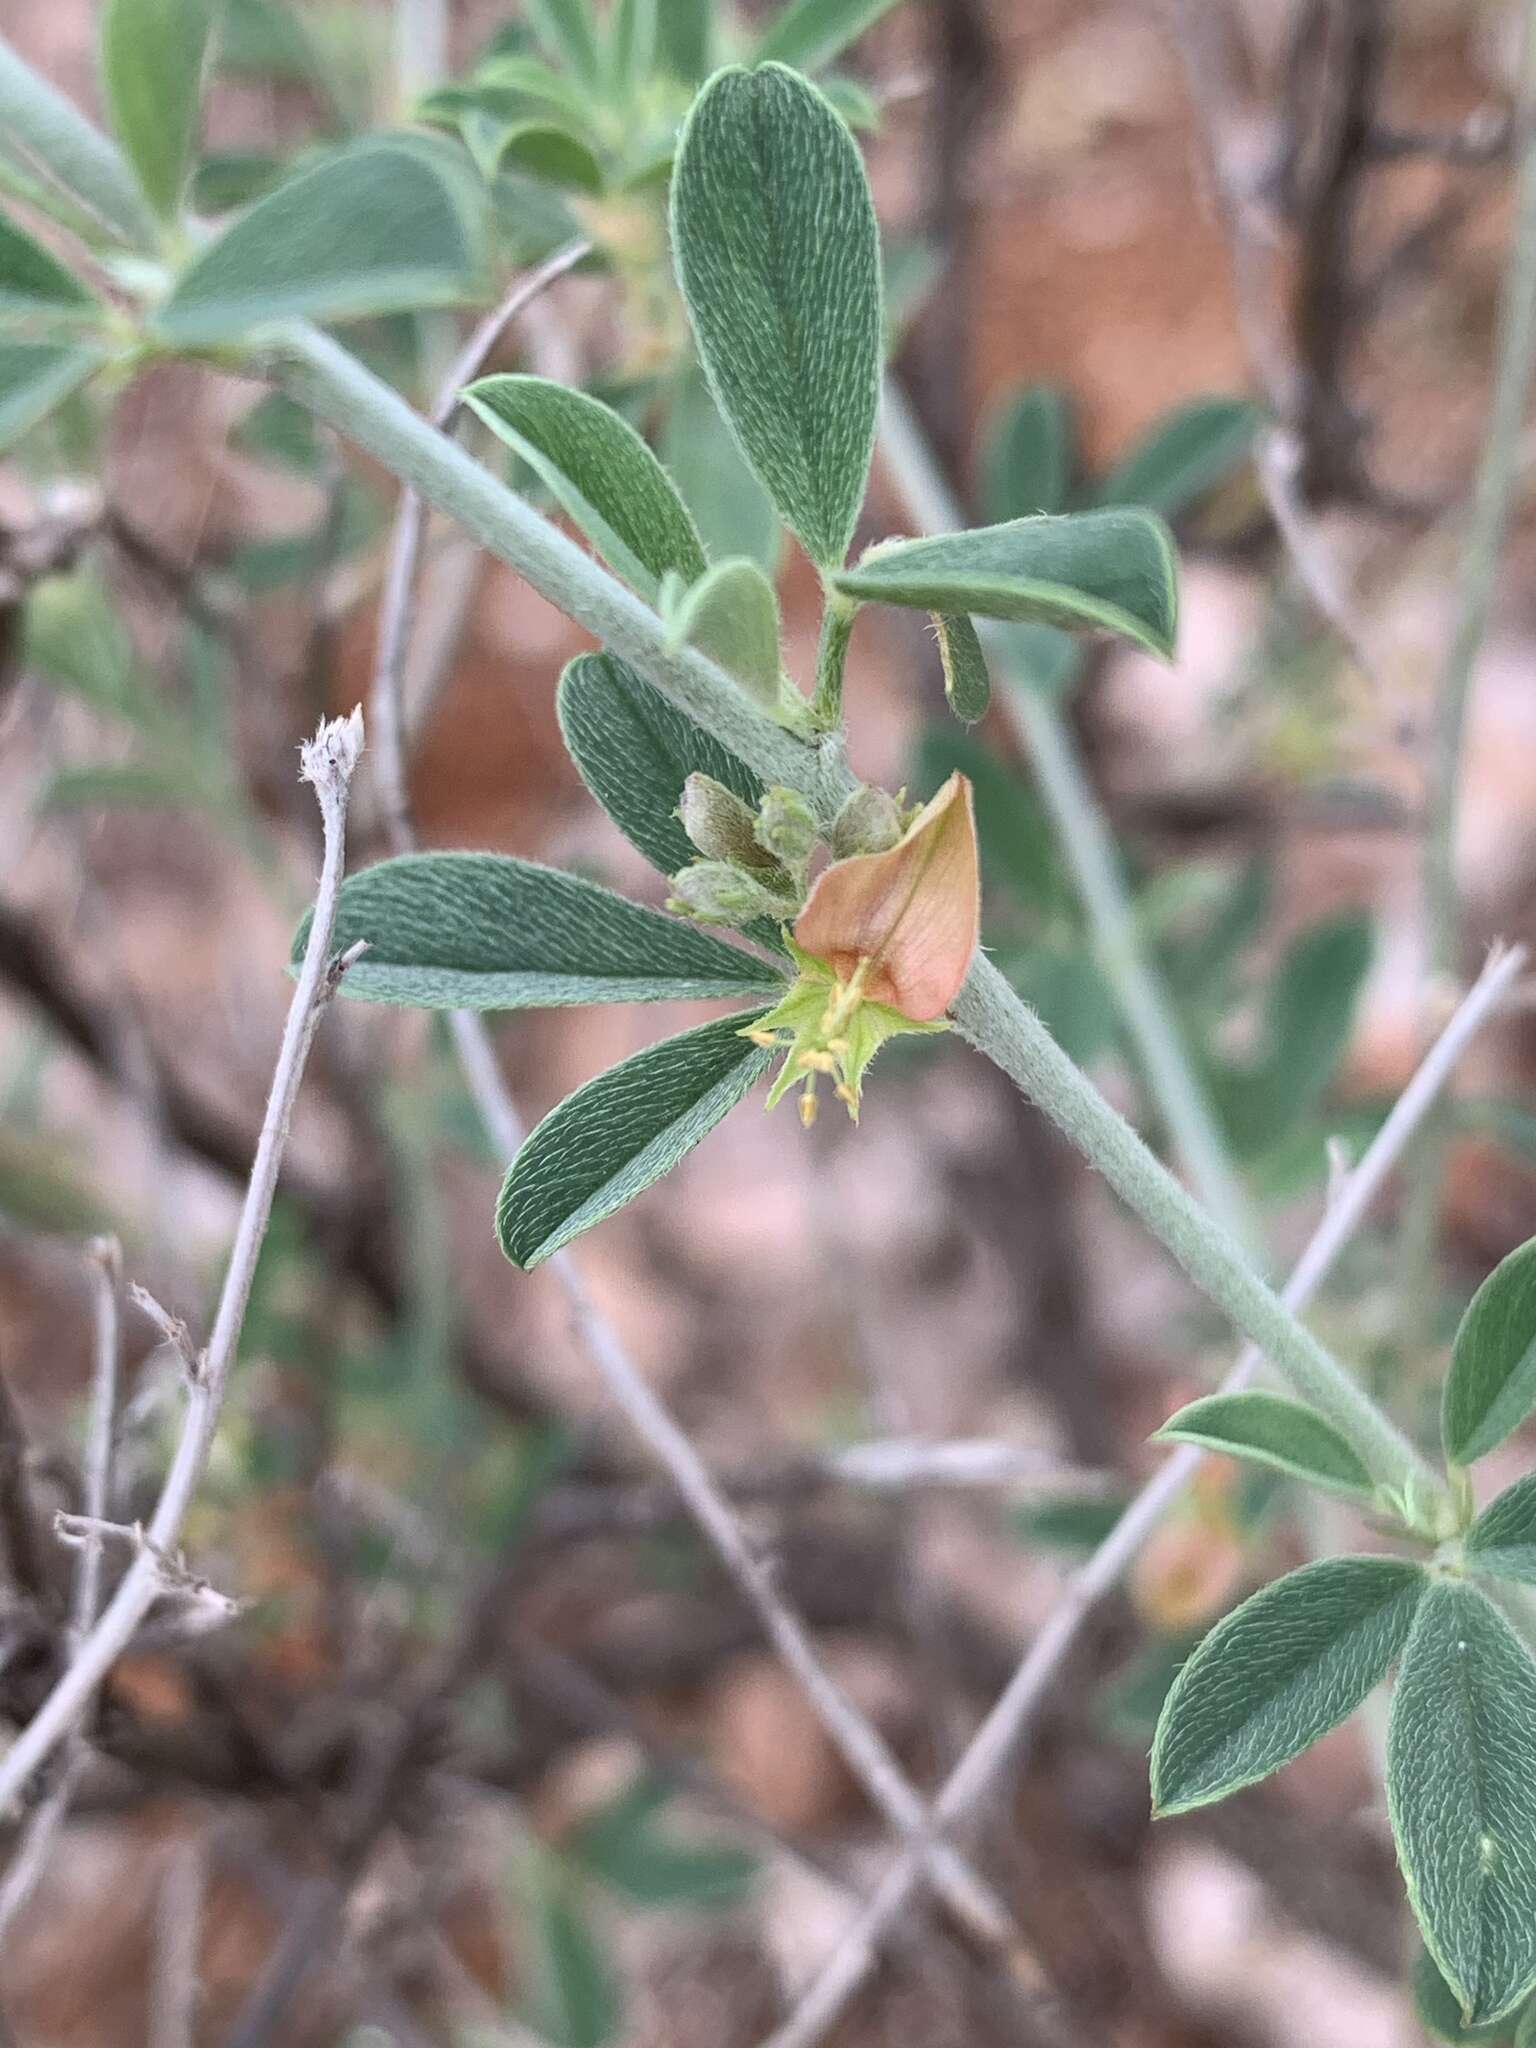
x=756 y=864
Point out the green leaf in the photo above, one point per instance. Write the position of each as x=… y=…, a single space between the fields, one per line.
x=152 y=55
x=540 y=149
x=230 y=178
x=623 y=1845
x=564 y=27
x=1503 y=1538
x=384 y=225
x=609 y=1141
x=1187 y=453
x=1461 y=1787
x=1272 y=1429
x=1439 y=2009
x=810 y=33
x=631 y=46
x=34 y=285
x=685 y=38
x=734 y=513
x=573 y=1999
x=1491 y=1386
x=966 y=682
x=1280 y=1671
x=732 y=615
x=1111 y=572
x=1310 y=1015
x=778 y=256
x=1027 y=462
x=635 y=752
x=601 y=472
x=1018 y=847
x=483 y=931
x=523 y=82
x=35 y=377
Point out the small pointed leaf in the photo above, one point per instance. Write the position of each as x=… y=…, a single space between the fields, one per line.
x=380 y=226
x=36 y=376
x=1027 y=464
x=685 y=38
x=966 y=682
x=1272 y=1429
x=483 y=931
x=35 y=285
x=609 y=1141
x=1279 y=1672
x=1503 y=1538
x=810 y=33
x=566 y=31
x=1187 y=453
x=152 y=55
x=732 y=615
x=1491 y=1386
x=779 y=260
x=1461 y=1787
x=601 y=472
x=1110 y=572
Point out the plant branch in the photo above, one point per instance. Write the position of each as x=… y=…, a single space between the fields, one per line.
x=328 y=762
x=342 y=391
x=36 y=1844
x=865 y=1752
x=1090 y=850
x=997 y=1742
x=991 y=1016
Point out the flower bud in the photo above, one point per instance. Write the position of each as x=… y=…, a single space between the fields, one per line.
x=718 y=893
x=720 y=825
x=786 y=827
x=870 y=822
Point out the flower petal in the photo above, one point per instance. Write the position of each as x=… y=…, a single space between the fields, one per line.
x=913 y=912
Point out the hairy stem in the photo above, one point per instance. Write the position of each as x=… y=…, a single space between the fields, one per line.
x=831 y=659
x=998 y=1023
x=1089 y=846
x=998 y=1741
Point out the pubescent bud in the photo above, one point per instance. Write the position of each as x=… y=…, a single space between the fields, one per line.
x=718 y=893
x=869 y=822
x=786 y=827
x=720 y=825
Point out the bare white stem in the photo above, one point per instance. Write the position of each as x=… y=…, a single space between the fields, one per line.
x=327 y=763
x=998 y=1741
x=38 y=1837
x=175 y=1978
x=864 y=1750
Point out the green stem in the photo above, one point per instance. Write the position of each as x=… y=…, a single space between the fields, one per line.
x=1493 y=497
x=998 y=1024
x=337 y=388
x=37 y=119
x=837 y=620
x=1140 y=996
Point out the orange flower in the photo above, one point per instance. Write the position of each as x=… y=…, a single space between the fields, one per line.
x=883 y=945
x=912 y=913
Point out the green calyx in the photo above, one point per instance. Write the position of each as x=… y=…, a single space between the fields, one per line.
x=827 y=1026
